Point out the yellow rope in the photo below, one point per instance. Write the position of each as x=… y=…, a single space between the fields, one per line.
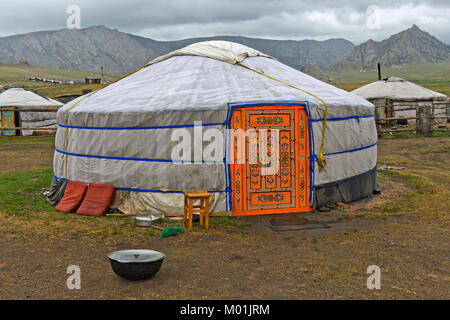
x=67 y=128
x=321 y=161
x=67 y=115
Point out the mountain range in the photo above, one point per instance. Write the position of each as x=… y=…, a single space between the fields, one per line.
x=410 y=46
x=119 y=52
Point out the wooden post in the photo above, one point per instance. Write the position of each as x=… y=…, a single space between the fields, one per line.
x=447 y=108
x=375 y=115
x=202 y=211
x=190 y=213
x=389 y=112
x=425 y=122
x=433 y=110
x=207 y=214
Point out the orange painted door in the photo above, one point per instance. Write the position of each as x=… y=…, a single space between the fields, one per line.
x=270 y=174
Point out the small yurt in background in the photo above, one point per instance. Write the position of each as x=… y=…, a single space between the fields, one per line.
x=401 y=98
x=122 y=135
x=15 y=99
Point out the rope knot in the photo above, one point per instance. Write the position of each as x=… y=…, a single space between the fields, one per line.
x=321 y=161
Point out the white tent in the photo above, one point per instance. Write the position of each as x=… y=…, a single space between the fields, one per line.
x=23 y=99
x=398 y=89
x=403 y=96
x=122 y=135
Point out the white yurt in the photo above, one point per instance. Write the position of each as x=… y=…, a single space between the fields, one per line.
x=125 y=135
x=15 y=99
x=402 y=97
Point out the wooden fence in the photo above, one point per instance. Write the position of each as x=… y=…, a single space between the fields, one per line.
x=425 y=117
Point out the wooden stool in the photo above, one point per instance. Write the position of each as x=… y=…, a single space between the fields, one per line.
x=202 y=208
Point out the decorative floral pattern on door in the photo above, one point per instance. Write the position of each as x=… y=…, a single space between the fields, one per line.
x=264 y=184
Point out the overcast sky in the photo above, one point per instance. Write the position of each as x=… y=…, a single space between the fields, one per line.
x=272 y=19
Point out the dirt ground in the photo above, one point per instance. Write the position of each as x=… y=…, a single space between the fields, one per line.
x=404 y=231
x=32 y=153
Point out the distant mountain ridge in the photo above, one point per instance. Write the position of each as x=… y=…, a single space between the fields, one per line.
x=119 y=52
x=410 y=46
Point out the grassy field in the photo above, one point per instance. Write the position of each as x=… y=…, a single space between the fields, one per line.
x=434 y=76
x=404 y=231
x=16 y=75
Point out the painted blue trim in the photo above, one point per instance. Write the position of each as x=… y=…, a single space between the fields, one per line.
x=367 y=172
x=312 y=156
x=352 y=150
x=144 y=128
x=235 y=105
x=148 y=190
x=60 y=179
x=133 y=159
x=345 y=118
x=268 y=103
x=229 y=200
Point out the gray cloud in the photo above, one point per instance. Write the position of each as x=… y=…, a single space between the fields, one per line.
x=275 y=19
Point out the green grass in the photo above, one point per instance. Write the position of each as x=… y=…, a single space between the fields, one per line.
x=16 y=75
x=27 y=140
x=228 y=222
x=406 y=203
x=412 y=134
x=21 y=192
x=434 y=76
x=438 y=72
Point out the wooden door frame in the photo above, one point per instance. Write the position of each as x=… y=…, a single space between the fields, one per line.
x=15 y=117
x=238 y=171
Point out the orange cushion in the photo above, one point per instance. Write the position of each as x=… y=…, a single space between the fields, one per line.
x=97 y=200
x=73 y=196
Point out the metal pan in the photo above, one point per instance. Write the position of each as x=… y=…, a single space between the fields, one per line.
x=136 y=264
x=147 y=220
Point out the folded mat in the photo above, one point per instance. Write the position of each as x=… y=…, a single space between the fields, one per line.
x=171 y=231
x=97 y=200
x=73 y=196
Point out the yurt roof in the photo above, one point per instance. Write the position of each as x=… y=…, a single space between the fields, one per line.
x=226 y=51
x=398 y=89
x=207 y=76
x=18 y=97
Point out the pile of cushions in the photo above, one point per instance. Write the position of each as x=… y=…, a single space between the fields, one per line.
x=89 y=200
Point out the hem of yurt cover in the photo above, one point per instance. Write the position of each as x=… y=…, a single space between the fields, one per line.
x=349 y=190
x=143 y=201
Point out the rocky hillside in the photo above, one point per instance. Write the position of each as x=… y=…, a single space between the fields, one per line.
x=119 y=52
x=314 y=71
x=407 y=47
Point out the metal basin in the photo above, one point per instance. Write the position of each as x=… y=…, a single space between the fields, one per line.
x=147 y=220
x=136 y=264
